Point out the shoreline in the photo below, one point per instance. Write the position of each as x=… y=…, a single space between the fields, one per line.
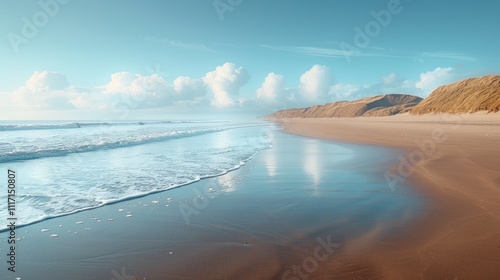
x=459 y=236
x=281 y=205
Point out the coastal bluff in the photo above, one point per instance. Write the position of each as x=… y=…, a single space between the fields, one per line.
x=480 y=94
x=382 y=105
x=466 y=96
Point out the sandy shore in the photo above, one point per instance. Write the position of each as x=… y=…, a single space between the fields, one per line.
x=440 y=219
x=281 y=215
x=453 y=161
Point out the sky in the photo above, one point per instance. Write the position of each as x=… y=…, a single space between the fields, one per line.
x=178 y=59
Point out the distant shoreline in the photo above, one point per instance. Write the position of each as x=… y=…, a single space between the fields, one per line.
x=458 y=171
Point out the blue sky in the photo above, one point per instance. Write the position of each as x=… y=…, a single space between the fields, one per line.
x=74 y=59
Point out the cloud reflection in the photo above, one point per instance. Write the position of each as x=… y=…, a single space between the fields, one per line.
x=270 y=158
x=311 y=163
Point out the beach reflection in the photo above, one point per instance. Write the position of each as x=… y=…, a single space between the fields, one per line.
x=270 y=159
x=312 y=164
x=221 y=140
x=227 y=182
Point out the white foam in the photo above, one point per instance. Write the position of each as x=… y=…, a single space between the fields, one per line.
x=81 y=181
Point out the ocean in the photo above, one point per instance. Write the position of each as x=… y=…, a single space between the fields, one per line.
x=65 y=167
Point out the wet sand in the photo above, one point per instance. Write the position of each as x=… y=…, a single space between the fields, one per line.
x=291 y=212
x=454 y=162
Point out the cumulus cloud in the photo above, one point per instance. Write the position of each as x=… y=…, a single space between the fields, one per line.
x=390 y=84
x=45 y=90
x=272 y=88
x=315 y=83
x=45 y=81
x=224 y=83
x=220 y=88
x=314 y=87
x=393 y=84
x=146 y=91
x=52 y=90
x=430 y=80
x=186 y=87
x=344 y=91
x=120 y=83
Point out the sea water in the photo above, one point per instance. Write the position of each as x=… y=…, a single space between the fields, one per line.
x=64 y=167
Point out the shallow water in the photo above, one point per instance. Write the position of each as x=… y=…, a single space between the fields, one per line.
x=67 y=167
x=265 y=216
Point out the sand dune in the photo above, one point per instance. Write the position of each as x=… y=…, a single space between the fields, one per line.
x=467 y=96
x=382 y=105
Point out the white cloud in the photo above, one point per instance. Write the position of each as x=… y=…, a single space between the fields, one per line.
x=135 y=84
x=220 y=88
x=390 y=79
x=46 y=81
x=430 y=80
x=272 y=88
x=390 y=84
x=135 y=91
x=120 y=83
x=315 y=83
x=45 y=90
x=48 y=90
x=224 y=83
x=344 y=91
x=51 y=90
x=186 y=87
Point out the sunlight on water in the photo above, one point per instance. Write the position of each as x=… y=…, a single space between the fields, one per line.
x=64 y=168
